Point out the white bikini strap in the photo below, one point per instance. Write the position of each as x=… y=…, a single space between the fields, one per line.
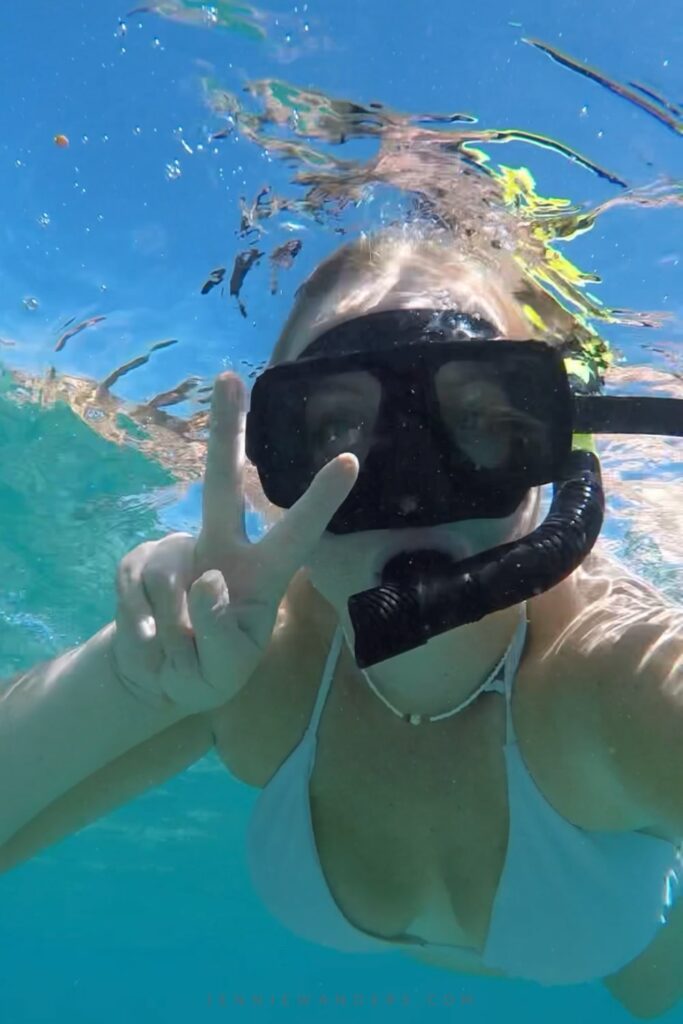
x=327 y=677
x=493 y=682
x=511 y=666
x=508 y=663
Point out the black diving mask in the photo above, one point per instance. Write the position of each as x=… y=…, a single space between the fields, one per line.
x=449 y=423
x=443 y=432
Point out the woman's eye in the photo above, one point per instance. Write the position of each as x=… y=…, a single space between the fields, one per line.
x=470 y=419
x=340 y=432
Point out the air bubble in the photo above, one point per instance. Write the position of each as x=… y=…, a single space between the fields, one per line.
x=30 y=303
x=137 y=130
x=173 y=170
x=44 y=220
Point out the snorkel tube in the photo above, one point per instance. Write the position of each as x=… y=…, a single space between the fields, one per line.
x=397 y=617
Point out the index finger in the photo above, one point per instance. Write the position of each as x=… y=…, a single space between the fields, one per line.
x=289 y=542
x=223 y=494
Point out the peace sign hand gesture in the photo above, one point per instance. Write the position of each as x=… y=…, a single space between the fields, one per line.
x=194 y=616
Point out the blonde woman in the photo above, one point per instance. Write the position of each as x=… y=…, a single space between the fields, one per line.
x=506 y=799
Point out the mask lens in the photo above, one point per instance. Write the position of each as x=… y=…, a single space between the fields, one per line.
x=341 y=416
x=483 y=420
x=443 y=431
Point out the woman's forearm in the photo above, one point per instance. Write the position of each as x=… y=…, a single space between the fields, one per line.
x=63 y=720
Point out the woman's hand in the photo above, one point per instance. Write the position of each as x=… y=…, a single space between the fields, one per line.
x=195 y=616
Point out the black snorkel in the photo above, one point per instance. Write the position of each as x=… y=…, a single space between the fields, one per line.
x=451 y=423
x=397 y=617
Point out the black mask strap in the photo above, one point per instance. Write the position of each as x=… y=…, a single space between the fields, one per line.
x=391 y=328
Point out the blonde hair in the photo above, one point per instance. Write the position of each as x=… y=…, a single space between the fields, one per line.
x=428 y=270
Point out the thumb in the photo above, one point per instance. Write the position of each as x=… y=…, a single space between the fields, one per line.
x=216 y=633
x=228 y=640
x=206 y=599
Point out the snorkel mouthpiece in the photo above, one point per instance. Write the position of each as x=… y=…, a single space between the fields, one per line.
x=421 y=597
x=411 y=566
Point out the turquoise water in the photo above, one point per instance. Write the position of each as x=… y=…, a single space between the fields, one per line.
x=148 y=914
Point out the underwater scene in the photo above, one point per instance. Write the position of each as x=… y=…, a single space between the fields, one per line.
x=341 y=511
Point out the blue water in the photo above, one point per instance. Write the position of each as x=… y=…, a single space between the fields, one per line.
x=148 y=914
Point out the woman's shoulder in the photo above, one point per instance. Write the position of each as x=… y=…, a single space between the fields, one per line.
x=589 y=639
x=597 y=618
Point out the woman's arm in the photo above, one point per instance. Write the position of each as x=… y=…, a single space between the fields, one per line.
x=63 y=721
x=149 y=764
x=641 y=710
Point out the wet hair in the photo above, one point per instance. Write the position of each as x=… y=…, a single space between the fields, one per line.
x=422 y=269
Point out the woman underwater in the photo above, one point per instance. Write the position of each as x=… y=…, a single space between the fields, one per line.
x=505 y=799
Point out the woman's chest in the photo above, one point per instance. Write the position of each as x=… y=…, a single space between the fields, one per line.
x=412 y=823
x=412 y=834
